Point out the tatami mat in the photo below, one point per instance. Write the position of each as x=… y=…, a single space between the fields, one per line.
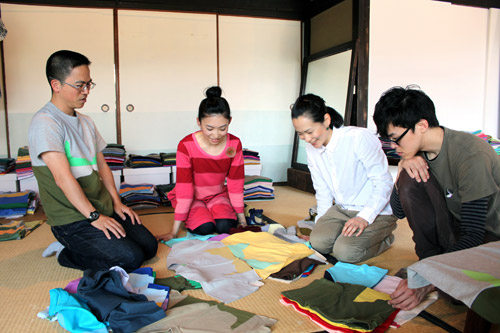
x=26 y=277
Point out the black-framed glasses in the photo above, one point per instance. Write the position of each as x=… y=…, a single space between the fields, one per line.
x=396 y=141
x=82 y=87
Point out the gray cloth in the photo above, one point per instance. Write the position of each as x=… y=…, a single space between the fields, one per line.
x=220 y=273
x=460 y=274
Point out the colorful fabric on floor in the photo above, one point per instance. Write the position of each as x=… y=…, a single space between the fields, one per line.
x=364 y=275
x=343 y=304
x=111 y=302
x=195 y=315
x=220 y=273
x=264 y=252
x=73 y=313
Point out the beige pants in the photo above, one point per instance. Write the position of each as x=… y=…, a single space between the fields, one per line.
x=376 y=238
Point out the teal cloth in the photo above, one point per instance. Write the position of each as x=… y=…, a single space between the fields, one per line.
x=364 y=275
x=189 y=235
x=73 y=314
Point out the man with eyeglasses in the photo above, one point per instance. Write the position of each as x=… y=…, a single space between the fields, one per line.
x=93 y=228
x=448 y=183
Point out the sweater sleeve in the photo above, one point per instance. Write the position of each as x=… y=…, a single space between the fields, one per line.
x=184 y=188
x=472 y=226
x=236 y=179
x=397 y=209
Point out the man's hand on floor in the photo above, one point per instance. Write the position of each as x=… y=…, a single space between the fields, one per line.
x=405 y=298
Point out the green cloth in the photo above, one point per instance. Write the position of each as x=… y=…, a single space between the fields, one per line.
x=487 y=305
x=336 y=303
x=178 y=282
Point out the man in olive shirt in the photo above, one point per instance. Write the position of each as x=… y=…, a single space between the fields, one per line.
x=448 y=183
x=94 y=228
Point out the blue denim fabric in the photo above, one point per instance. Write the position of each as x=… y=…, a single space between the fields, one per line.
x=86 y=247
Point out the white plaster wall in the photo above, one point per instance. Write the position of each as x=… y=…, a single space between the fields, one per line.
x=447 y=50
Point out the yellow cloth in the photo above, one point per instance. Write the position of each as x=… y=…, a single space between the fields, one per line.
x=261 y=249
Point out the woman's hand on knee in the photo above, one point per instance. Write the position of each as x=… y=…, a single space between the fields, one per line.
x=352 y=225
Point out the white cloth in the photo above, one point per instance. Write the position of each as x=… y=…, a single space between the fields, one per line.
x=221 y=274
x=352 y=170
x=461 y=274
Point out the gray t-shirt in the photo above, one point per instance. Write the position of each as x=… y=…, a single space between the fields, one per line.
x=78 y=138
x=468 y=169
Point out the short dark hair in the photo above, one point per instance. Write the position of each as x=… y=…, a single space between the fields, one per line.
x=61 y=63
x=403 y=107
x=314 y=107
x=214 y=104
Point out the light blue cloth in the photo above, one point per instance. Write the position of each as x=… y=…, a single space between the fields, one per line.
x=364 y=275
x=189 y=236
x=72 y=313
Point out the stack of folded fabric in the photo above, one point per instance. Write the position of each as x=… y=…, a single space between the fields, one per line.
x=258 y=188
x=495 y=143
x=16 y=204
x=7 y=165
x=163 y=192
x=168 y=159
x=115 y=156
x=388 y=150
x=139 y=196
x=15 y=230
x=23 y=163
x=144 y=161
x=252 y=163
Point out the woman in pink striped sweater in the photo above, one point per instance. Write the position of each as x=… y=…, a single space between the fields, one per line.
x=208 y=195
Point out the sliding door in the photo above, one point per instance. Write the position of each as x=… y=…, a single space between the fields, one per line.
x=167 y=60
x=34 y=33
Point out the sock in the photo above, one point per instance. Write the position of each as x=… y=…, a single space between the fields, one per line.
x=54 y=248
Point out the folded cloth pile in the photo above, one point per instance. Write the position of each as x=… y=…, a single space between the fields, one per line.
x=7 y=165
x=495 y=143
x=258 y=188
x=16 y=204
x=23 y=163
x=168 y=158
x=115 y=156
x=139 y=196
x=251 y=160
x=144 y=161
x=163 y=192
x=15 y=230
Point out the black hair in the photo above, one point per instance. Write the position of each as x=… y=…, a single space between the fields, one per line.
x=61 y=63
x=214 y=104
x=403 y=107
x=314 y=107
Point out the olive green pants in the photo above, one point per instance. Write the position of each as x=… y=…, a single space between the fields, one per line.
x=326 y=236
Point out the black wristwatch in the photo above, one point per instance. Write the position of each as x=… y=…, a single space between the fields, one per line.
x=93 y=216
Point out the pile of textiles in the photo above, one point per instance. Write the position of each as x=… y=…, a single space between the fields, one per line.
x=258 y=188
x=163 y=192
x=115 y=156
x=495 y=143
x=7 y=165
x=15 y=230
x=139 y=196
x=388 y=150
x=23 y=163
x=139 y=302
x=352 y=298
x=252 y=163
x=144 y=161
x=168 y=158
x=17 y=204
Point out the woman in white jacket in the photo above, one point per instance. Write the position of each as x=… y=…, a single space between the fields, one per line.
x=353 y=185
